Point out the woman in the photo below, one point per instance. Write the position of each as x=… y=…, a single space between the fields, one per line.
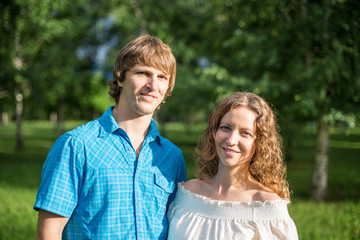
x=241 y=191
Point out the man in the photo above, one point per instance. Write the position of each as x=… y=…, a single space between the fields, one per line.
x=114 y=177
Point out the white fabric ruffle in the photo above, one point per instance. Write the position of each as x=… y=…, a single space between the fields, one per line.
x=193 y=216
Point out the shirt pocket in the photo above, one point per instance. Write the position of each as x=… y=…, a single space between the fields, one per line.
x=105 y=191
x=163 y=187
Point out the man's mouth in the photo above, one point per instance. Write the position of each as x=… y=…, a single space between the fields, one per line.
x=148 y=97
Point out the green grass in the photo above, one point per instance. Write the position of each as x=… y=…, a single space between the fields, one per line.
x=17 y=218
x=330 y=220
x=338 y=218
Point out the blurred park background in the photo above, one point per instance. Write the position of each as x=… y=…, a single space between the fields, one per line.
x=302 y=56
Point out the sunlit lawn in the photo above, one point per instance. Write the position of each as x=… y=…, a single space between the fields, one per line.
x=338 y=218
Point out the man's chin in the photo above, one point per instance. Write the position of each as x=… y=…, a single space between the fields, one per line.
x=144 y=111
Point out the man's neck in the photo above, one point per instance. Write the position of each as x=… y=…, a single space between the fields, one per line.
x=135 y=127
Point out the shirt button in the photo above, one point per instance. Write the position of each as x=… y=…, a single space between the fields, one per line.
x=129 y=149
x=140 y=229
x=138 y=204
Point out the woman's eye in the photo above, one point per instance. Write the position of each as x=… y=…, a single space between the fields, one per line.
x=225 y=128
x=246 y=133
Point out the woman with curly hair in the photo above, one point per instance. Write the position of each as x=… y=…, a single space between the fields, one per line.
x=241 y=191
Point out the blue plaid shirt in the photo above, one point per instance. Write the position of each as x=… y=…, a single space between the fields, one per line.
x=93 y=177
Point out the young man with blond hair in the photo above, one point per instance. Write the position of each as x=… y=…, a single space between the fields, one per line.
x=114 y=177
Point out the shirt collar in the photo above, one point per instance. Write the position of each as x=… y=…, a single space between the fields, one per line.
x=153 y=133
x=109 y=125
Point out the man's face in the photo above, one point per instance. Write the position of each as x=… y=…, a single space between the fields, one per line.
x=143 y=90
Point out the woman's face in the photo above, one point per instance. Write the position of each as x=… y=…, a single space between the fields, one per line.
x=235 y=137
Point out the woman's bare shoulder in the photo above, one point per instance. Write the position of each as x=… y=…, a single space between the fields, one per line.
x=266 y=194
x=194 y=185
x=263 y=193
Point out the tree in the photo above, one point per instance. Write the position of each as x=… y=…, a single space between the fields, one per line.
x=50 y=54
x=8 y=11
x=332 y=62
x=300 y=55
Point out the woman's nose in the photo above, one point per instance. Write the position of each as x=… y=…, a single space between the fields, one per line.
x=233 y=138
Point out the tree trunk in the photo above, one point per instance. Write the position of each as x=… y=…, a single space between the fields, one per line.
x=19 y=112
x=18 y=64
x=319 y=185
x=53 y=118
x=4 y=118
x=60 y=117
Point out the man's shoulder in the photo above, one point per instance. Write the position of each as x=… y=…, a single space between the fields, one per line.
x=168 y=144
x=85 y=131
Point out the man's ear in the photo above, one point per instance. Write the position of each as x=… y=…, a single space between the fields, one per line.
x=119 y=83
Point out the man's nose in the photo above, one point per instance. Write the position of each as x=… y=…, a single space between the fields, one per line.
x=153 y=83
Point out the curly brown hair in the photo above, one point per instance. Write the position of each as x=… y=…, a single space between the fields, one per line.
x=267 y=165
x=147 y=50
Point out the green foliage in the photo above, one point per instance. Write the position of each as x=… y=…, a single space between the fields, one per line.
x=49 y=51
x=300 y=55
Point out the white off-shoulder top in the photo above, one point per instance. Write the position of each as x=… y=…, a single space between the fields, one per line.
x=193 y=216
